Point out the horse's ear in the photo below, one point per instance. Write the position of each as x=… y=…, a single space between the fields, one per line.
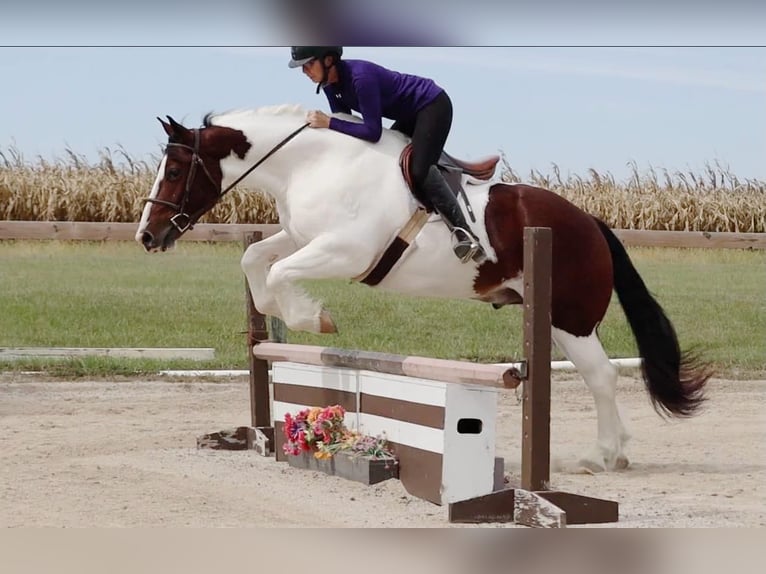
x=175 y=124
x=166 y=126
x=173 y=128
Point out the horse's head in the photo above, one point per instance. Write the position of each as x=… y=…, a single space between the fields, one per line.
x=188 y=182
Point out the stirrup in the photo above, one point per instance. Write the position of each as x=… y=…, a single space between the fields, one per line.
x=467 y=249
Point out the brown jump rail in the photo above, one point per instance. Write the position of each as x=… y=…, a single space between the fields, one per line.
x=443 y=370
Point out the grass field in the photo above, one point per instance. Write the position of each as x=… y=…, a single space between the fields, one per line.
x=114 y=295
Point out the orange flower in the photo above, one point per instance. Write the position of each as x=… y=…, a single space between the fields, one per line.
x=313 y=414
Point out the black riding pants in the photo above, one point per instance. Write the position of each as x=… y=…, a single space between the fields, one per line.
x=429 y=131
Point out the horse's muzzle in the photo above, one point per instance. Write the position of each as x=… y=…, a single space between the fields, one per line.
x=161 y=242
x=147 y=240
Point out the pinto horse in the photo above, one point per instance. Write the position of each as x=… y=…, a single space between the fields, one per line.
x=343 y=202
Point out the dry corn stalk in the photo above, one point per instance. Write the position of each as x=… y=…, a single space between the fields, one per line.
x=112 y=189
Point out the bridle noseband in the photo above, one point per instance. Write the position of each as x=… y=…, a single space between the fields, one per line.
x=182 y=221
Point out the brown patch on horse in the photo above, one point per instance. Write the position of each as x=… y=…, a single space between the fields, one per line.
x=582 y=263
x=220 y=142
x=216 y=143
x=502 y=296
x=230 y=140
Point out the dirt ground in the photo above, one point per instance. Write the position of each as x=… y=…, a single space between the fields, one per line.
x=123 y=454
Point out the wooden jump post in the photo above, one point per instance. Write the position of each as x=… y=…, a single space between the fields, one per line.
x=260 y=409
x=533 y=503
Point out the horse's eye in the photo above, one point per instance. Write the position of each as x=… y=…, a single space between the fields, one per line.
x=173 y=173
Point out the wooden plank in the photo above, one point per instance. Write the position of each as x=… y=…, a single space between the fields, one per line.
x=531 y=509
x=443 y=370
x=15 y=353
x=262 y=441
x=238 y=438
x=691 y=239
x=496 y=507
x=100 y=231
x=582 y=509
x=541 y=509
x=95 y=231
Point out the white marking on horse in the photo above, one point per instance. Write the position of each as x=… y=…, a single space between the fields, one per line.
x=600 y=376
x=153 y=195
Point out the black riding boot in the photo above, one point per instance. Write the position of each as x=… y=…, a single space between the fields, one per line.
x=467 y=245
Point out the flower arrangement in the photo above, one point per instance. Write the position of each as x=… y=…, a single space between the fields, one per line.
x=323 y=432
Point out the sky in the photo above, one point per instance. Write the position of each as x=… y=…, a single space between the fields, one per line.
x=657 y=88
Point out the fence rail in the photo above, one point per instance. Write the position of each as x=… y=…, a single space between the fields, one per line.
x=96 y=231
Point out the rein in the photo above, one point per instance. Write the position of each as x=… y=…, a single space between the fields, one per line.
x=188 y=220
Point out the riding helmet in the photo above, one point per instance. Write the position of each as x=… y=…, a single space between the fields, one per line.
x=303 y=54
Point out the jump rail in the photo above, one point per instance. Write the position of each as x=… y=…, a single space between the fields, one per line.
x=533 y=504
x=444 y=370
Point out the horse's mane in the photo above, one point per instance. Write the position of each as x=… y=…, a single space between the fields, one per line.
x=243 y=114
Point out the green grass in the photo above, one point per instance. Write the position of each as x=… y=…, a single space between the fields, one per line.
x=98 y=294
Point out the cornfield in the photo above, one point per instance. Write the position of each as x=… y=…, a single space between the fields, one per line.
x=113 y=188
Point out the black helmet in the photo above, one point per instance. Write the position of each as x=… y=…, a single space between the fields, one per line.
x=303 y=54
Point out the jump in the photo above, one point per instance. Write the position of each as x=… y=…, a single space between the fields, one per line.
x=343 y=202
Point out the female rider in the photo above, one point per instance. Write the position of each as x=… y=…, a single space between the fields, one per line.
x=420 y=109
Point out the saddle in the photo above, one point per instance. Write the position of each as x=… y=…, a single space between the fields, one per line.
x=452 y=169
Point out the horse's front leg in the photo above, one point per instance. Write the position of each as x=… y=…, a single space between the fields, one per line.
x=327 y=257
x=256 y=262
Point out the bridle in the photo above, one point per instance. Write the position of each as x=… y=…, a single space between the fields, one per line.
x=182 y=221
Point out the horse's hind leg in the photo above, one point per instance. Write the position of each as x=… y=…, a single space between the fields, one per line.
x=327 y=257
x=600 y=375
x=255 y=263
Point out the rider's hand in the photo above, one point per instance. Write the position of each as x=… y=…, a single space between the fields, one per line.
x=317 y=119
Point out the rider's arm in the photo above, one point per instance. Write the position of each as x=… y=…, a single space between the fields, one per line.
x=368 y=95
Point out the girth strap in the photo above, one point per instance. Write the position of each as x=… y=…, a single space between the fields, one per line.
x=378 y=271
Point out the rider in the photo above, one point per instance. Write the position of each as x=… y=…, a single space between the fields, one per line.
x=420 y=109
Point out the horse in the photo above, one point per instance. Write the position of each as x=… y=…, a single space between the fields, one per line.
x=343 y=202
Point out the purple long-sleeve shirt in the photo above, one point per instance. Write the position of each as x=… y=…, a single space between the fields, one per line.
x=376 y=92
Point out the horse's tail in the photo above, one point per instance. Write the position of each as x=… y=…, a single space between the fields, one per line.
x=675 y=380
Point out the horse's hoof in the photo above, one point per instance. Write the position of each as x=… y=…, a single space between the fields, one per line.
x=326 y=324
x=591 y=466
x=592 y=462
x=622 y=463
x=588 y=466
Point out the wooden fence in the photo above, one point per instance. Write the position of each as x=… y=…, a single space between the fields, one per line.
x=88 y=231
x=93 y=231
